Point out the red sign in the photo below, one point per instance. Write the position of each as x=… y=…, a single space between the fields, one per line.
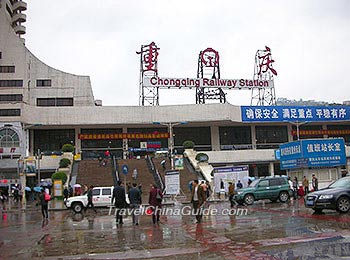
x=210 y=57
x=266 y=62
x=123 y=136
x=149 y=56
x=321 y=132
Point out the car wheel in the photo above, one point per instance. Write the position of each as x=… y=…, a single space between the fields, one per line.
x=283 y=197
x=343 y=204
x=77 y=207
x=248 y=199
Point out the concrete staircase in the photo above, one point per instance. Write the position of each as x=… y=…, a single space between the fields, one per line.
x=90 y=173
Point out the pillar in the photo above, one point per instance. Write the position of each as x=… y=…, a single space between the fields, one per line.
x=253 y=136
x=271 y=169
x=215 y=138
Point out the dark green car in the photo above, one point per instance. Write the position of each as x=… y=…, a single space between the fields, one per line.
x=272 y=188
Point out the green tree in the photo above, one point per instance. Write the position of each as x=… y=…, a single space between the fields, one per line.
x=188 y=144
x=59 y=176
x=67 y=148
x=64 y=162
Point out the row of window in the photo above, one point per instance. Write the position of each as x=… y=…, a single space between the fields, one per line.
x=11 y=97
x=11 y=83
x=54 y=102
x=17 y=82
x=7 y=69
x=10 y=112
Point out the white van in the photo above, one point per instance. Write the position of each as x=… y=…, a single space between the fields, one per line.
x=102 y=197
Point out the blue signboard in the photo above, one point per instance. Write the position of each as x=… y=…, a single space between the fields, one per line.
x=125 y=169
x=295 y=113
x=313 y=153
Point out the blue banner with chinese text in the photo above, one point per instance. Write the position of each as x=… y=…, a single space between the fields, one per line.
x=294 y=113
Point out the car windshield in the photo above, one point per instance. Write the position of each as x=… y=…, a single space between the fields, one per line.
x=341 y=183
x=254 y=183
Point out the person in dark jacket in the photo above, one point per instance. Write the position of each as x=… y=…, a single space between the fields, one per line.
x=44 y=205
x=135 y=202
x=89 y=196
x=119 y=200
x=314 y=182
x=155 y=200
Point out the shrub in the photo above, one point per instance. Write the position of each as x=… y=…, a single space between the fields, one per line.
x=67 y=148
x=59 y=176
x=64 y=162
x=202 y=157
x=188 y=144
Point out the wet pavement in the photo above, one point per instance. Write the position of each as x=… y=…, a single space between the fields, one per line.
x=261 y=231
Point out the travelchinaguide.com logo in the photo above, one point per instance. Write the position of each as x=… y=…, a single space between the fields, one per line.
x=184 y=211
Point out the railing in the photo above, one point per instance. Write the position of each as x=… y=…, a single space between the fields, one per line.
x=115 y=172
x=157 y=178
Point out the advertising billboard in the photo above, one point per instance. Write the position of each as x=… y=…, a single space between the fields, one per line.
x=172 y=182
x=312 y=153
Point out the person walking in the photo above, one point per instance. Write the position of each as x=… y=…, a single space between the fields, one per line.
x=66 y=193
x=134 y=174
x=314 y=182
x=119 y=200
x=239 y=184
x=306 y=185
x=44 y=199
x=90 y=198
x=155 y=201
x=135 y=202
x=295 y=187
x=197 y=199
x=231 y=193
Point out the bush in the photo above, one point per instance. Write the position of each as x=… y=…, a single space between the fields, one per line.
x=59 y=176
x=202 y=157
x=64 y=162
x=188 y=144
x=67 y=148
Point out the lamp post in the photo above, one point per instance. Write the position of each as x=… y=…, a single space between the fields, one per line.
x=298 y=124
x=170 y=126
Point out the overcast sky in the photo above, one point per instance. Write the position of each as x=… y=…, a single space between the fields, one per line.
x=309 y=41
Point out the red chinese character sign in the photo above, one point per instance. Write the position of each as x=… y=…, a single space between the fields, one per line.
x=209 y=57
x=265 y=61
x=263 y=70
x=148 y=68
x=209 y=68
x=149 y=54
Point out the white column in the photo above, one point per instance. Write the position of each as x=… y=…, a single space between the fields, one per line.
x=77 y=141
x=215 y=138
x=290 y=136
x=253 y=136
x=272 y=169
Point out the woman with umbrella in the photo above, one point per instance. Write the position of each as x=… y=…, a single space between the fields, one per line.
x=44 y=202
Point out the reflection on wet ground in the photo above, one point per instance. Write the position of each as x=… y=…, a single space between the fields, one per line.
x=268 y=231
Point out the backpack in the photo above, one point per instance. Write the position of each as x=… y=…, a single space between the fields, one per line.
x=47 y=197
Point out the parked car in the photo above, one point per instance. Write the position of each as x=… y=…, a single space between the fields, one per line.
x=336 y=197
x=272 y=188
x=102 y=197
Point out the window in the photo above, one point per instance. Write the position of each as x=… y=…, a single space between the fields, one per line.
x=106 y=192
x=10 y=112
x=10 y=98
x=96 y=192
x=9 y=138
x=54 y=102
x=264 y=183
x=43 y=82
x=11 y=83
x=7 y=69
